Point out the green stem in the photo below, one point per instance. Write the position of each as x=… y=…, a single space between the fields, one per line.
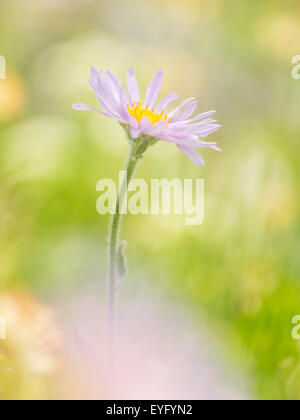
x=113 y=246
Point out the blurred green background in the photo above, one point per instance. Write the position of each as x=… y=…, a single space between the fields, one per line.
x=239 y=271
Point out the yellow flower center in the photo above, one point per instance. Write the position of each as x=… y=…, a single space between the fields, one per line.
x=138 y=112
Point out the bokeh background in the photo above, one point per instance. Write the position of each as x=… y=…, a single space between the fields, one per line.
x=233 y=282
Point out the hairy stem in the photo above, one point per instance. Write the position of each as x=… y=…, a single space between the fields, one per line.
x=113 y=245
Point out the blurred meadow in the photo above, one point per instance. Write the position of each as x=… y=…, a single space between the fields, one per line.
x=236 y=276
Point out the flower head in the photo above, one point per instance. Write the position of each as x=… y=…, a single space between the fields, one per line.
x=144 y=118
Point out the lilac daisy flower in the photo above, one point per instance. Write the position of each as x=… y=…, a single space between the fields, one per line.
x=145 y=124
x=145 y=119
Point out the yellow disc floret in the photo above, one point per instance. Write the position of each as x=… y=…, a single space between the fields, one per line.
x=138 y=112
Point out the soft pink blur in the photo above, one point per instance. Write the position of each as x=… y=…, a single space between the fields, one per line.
x=160 y=354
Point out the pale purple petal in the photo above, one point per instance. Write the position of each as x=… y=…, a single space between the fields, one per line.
x=193 y=155
x=114 y=79
x=166 y=101
x=133 y=89
x=188 y=142
x=124 y=99
x=145 y=124
x=176 y=110
x=187 y=123
x=133 y=122
x=191 y=141
x=213 y=147
x=210 y=130
x=114 y=85
x=196 y=118
x=108 y=93
x=210 y=145
x=203 y=115
x=94 y=81
x=135 y=132
x=182 y=130
x=153 y=89
x=186 y=113
x=119 y=95
x=153 y=130
x=99 y=87
x=194 y=129
x=85 y=107
x=135 y=129
x=113 y=103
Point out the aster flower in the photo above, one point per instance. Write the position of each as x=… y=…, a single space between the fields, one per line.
x=148 y=120
x=145 y=124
